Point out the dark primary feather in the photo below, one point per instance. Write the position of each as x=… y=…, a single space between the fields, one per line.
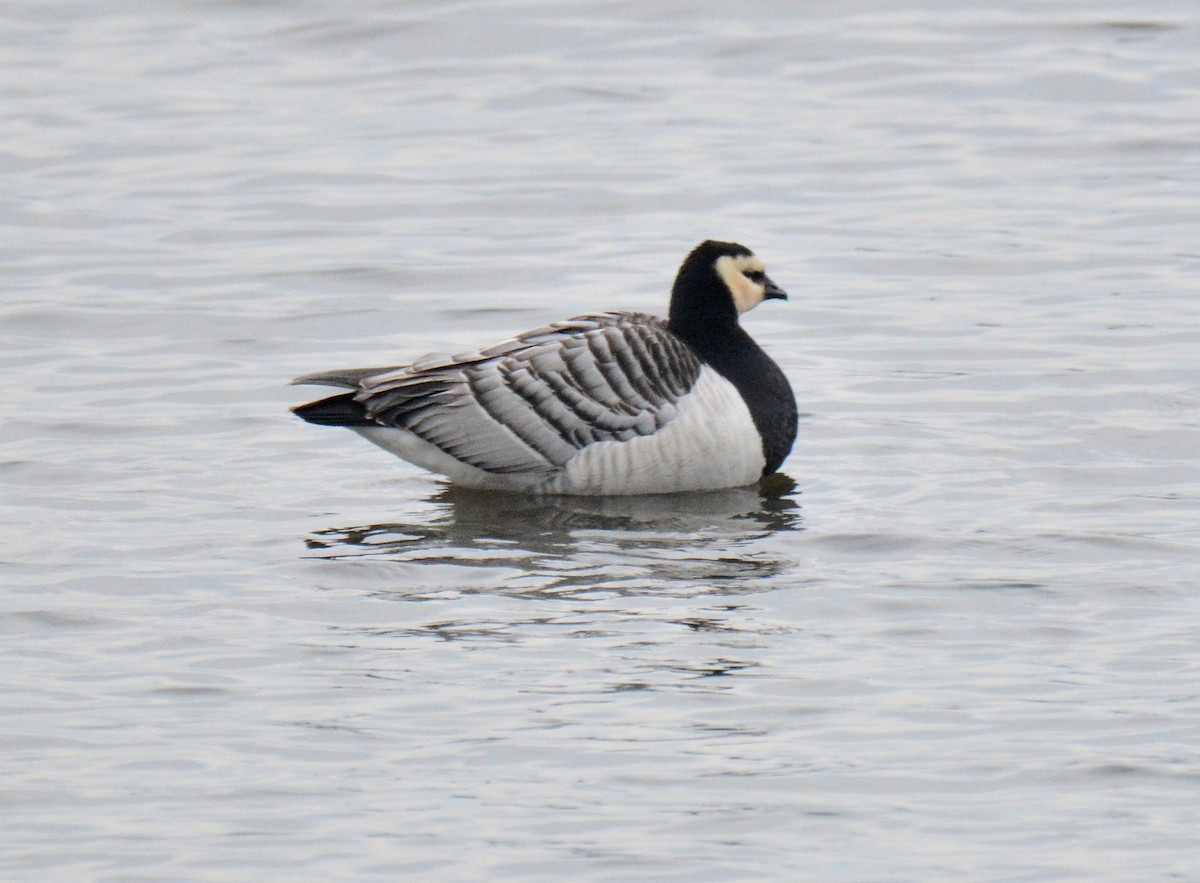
x=341 y=410
x=529 y=404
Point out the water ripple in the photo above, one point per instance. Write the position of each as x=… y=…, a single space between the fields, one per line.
x=237 y=646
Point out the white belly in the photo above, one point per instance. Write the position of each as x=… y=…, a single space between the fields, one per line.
x=711 y=444
x=416 y=450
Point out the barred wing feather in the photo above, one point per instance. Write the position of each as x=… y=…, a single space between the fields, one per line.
x=530 y=404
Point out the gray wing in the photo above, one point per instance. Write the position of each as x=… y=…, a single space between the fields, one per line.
x=530 y=404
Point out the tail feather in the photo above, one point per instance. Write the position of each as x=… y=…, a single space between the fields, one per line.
x=350 y=378
x=341 y=410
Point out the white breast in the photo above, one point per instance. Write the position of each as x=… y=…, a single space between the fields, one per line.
x=712 y=443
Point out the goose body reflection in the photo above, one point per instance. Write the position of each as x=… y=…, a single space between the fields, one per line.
x=707 y=541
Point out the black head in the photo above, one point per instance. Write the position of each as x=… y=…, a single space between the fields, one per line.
x=717 y=282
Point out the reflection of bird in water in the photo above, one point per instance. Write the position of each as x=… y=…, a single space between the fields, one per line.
x=581 y=543
x=469 y=519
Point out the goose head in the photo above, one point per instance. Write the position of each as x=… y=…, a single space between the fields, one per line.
x=717 y=282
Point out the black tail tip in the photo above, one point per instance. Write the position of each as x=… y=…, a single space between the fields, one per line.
x=340 y=410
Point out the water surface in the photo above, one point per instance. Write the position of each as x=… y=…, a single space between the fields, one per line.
x=958 y=643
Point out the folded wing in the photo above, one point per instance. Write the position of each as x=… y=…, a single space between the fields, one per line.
x=528 y=405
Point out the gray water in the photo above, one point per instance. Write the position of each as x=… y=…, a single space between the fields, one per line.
x=962 y=642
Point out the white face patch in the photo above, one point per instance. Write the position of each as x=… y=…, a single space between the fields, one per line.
x=747 y=294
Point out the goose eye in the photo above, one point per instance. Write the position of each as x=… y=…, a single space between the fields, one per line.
x=755 y=276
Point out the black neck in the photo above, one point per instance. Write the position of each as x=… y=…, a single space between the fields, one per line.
x=701 y=304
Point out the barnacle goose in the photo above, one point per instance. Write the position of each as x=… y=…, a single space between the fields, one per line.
x=604 y=404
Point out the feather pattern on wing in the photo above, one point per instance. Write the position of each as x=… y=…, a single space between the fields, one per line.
x=528 y=405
